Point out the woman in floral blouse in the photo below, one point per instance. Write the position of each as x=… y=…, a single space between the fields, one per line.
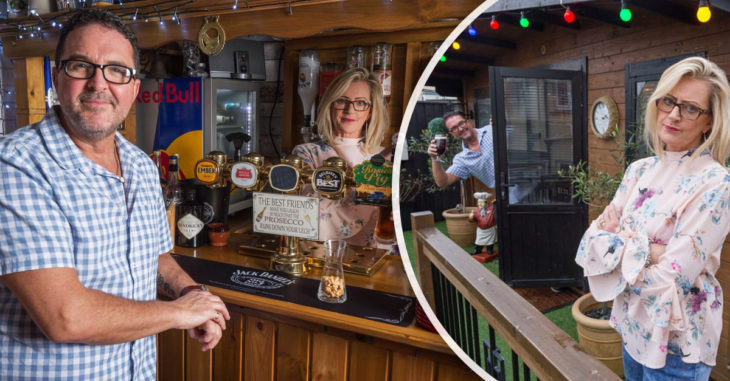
x=352 y=119
x=656 y=247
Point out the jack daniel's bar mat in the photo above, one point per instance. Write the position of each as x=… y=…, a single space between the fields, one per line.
x=361 y=302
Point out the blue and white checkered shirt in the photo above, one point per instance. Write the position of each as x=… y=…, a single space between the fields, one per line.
x=60 y=209
x=478 y=164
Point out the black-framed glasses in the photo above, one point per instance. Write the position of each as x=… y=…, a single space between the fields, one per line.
x=80 y=69
x=686 y=110
x=357 y=105
x=458 y=126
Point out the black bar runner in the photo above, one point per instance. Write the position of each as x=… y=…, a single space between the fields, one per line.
x=361 y=302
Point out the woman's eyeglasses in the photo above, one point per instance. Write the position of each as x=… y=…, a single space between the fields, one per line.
x=686 y=111
x=357 y=105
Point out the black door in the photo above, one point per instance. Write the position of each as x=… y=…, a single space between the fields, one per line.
x=538 y=118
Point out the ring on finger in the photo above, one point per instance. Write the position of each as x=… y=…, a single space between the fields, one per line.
x=217 y=315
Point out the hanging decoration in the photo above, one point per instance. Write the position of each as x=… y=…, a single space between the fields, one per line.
x=211 y=36
x=703 y=12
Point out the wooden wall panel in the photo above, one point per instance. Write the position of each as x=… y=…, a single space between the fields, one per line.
x=449 y=372
x=259 y=339
x=228 y=354
x=409 y=367
x=198 y=364
x=368 y=362
x=171 y=360
x=329 y=357
x=292 y=353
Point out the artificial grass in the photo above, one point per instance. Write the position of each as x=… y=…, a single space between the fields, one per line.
x=561 y=317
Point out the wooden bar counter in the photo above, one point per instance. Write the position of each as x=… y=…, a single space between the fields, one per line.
x=270 y=339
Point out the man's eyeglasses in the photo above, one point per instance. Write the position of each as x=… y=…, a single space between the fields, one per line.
x=686 y=111
x=79 y=69
x=458 y=126
x=357 y=105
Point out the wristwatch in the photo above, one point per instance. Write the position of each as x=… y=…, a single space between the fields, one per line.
x=187 y=289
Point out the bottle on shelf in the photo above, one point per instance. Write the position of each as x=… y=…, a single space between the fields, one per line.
x=173 y=192
x=381 y=67
x=190 y=230
x=157 y=159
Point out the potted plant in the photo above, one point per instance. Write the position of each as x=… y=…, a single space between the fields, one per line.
x=458 y=226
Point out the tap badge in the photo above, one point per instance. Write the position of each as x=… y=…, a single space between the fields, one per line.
x=206 y=171
x=243 y=174
x=327 y=180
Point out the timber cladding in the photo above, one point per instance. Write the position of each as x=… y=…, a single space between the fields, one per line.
x=259 y=345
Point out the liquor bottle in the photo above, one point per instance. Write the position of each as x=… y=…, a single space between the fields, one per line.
x=381 y=67
x=190 y=227
x=157 y=159
x=173 y=192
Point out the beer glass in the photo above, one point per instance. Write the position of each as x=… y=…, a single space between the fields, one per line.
x=440 y=144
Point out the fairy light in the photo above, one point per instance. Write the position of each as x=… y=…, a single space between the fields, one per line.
x=524 y=22
x=135 y=14
x=235 y=4
x=471 y=31
x=494 y=24
x=703 y=12
x=456 y=45
x=568 y=16
x=625 y=13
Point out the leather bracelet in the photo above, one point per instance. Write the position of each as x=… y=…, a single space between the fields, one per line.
x=187 y=289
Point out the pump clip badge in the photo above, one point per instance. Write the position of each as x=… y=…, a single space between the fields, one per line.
x=211 y=36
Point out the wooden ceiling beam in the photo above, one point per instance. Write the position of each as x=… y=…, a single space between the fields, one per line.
x=675 y=11
x=609 y=17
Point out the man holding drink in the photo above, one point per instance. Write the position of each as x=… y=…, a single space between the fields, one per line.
x=476 y=158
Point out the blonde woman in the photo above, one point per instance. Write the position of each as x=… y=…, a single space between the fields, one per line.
x=352 y=120
x=656 y=247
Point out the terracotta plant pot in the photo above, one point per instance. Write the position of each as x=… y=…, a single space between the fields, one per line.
x=461 y=231
x=596 y=336
x=218 y=233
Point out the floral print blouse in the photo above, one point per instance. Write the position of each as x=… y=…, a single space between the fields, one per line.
x=341 y=219
x=674 y=306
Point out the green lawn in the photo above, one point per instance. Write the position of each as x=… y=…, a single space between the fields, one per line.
x=561 y=317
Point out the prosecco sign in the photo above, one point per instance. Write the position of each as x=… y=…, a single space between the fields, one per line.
x=279 y=214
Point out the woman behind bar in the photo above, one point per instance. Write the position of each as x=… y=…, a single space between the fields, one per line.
x=656 y=247
x=352 y=119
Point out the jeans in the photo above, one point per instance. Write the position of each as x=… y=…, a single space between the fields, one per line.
x=674 y=369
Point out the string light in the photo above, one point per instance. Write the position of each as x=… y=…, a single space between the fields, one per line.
x=235 y=4
x=625 y=13
x=568 y=16
x=494 y=24
x=471 y=31
x=174 y=15
x=524 y=22
x=134 y=18
x=443 y=58
x=456 y=45
x=703 y=12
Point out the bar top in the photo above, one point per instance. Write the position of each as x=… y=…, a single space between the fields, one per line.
x=391 y=278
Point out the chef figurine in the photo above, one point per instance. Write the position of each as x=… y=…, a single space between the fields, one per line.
x=486 y=227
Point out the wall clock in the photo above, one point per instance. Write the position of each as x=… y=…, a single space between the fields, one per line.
x=604 y=117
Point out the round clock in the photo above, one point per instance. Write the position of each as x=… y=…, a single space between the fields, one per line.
x=604 y=117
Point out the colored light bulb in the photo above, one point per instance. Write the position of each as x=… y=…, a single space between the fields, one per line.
x=494 y=24
x=524 y=22
x=456 y=45
x=569 y=16
x=625 y=14
x=471 y=31
x=442 y=59
x=703 y=13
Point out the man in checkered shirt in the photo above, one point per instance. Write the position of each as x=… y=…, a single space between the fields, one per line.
x=475 y=159
x=84 y=239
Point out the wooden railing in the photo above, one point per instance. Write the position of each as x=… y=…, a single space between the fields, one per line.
x=454 y=283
